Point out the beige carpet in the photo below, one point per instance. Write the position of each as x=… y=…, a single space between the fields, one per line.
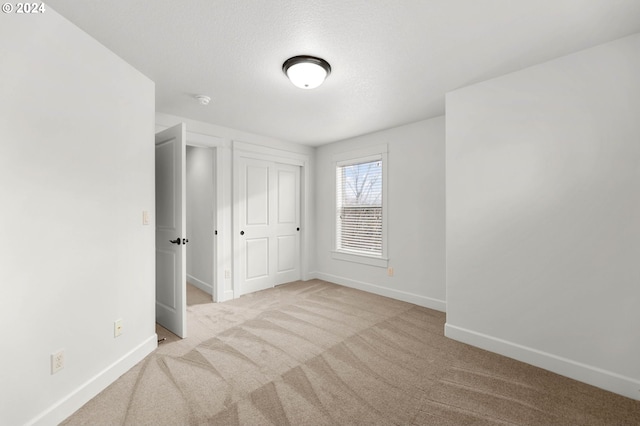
x=195 y=296
x=320 y=354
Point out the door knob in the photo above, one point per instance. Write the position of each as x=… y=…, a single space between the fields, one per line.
x=176 y=241
x=297 y=229
x=241 y=232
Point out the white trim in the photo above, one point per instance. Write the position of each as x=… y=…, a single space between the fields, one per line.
x=360 y=160
x=228 y=295
x=310 y=276
x=306 y=194
x=302 y=154
x=76 y=399
x=224 y=220
x=598 y=377
x=205 y=141
x=372 y=153
x=416 y=299
x=381 y=262
x=206 y=287
x=220 y=147
x=194 y=138
x=356 y=154
x=293 y=160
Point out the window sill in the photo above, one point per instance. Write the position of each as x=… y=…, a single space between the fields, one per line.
x=378 y=261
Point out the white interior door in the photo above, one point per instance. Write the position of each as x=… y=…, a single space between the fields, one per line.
x=171 y=285
x=269 y=224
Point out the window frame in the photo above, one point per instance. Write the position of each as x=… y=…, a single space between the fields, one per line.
x=364 y=155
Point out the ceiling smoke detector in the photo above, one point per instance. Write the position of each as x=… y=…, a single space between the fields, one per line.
x=203 y=99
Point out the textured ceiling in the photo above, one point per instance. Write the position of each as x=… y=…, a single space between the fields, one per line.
x=392 y=60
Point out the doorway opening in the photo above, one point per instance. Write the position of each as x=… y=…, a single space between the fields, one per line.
x=201 y=220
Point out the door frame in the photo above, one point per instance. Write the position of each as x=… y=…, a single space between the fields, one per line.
x=213 y=246
x=247 y=150
x=221 y=154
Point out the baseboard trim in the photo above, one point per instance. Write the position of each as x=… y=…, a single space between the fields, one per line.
x=76 y=399
x=207 y=288
x=228 y=295
x=310 y=276
x=591 y=375
x=427 y=302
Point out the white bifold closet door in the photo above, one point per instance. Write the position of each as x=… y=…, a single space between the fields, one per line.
x=269 y=203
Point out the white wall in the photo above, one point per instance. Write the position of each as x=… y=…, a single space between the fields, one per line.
x=200 y=217
x=76 y=173
x=415 y=213
x=543 y=208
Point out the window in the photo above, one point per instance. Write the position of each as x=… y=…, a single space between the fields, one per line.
x=360 y=208
x=359 y=202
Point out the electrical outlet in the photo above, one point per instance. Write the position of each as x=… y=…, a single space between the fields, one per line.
x=145 y=217
x=57 y=361
x=117 y=328
x=390 y=271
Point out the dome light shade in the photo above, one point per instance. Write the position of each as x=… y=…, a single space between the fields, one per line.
x=306 y=72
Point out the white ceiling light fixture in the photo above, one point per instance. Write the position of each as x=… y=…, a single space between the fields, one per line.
x=306 y=72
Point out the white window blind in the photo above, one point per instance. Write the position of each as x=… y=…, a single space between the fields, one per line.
x=359 y=206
